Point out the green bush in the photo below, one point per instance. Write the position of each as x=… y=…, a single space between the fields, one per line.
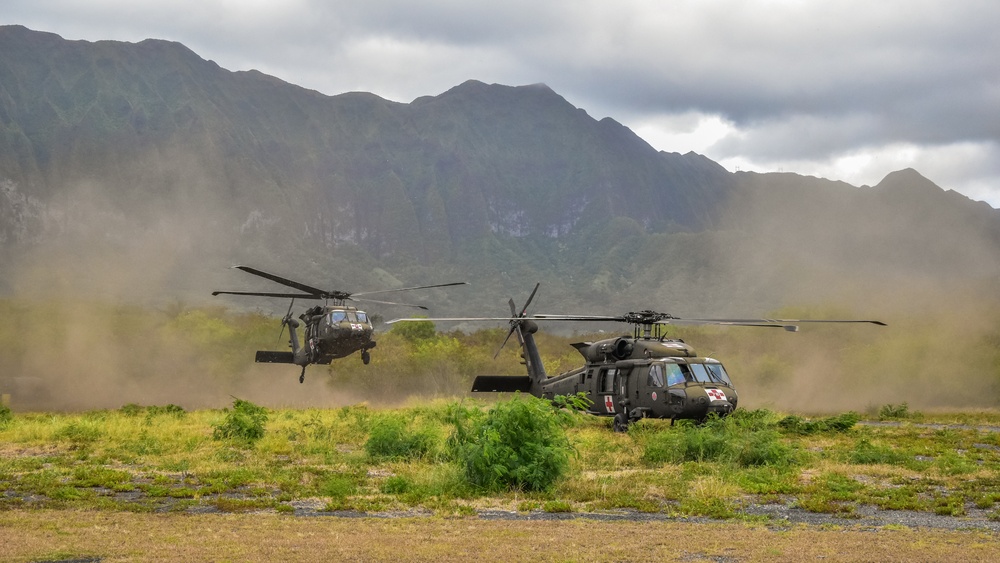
x=390 y=438
x=519 y=444
x=418 y=331
x=708 y=442
x=894 y=412
x=763 y=447
x=798 y=425
x=5 y=415
x=724 y=440
x=245 y=422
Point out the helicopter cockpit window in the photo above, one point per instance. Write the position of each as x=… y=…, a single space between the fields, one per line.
x=655 y=376
x=608 y=380
x=362 y=317
x=700 y=373
x=674 y=374
x=337 y=316
x=718 y=374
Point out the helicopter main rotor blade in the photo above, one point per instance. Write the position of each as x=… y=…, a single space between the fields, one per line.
x=449 y=319
x=285 y=281
x=547 y=317
x=652 y=317
x=410 y=288
x=270 y=294
x=786 y=323
x=389 y=303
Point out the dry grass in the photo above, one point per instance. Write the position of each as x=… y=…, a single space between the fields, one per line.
x=112 y=536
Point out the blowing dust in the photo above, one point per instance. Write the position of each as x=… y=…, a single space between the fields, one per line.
x=96 y=316
x=93 y=313
x=929 y=271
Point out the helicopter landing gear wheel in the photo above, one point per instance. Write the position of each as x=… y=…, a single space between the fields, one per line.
x=621 y=423
x=365 y=357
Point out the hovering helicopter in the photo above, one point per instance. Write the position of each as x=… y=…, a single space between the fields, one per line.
x=645 y=375
x=333 y=330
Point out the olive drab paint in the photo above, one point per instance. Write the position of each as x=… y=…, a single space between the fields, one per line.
x=645 y=375
x=332 y=331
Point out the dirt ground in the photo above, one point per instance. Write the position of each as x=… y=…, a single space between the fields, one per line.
x=66 y=535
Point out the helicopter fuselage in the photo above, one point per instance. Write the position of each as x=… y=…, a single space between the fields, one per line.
x=331 y=331
x=334 y=332
x=643 y=376
x=628 y=378
x=646 y=375
x=658 y=379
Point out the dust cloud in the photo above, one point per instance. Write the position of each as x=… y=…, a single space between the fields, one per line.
x=94 y=307
x=926 y=266
x=91 y=311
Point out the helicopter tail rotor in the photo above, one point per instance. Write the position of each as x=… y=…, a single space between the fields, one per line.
x=287 y=319
x=517 y=319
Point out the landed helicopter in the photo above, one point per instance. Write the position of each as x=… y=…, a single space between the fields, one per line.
x=333 y=330
x=645 y=375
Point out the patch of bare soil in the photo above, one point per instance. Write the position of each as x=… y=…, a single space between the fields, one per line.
x=52 y=535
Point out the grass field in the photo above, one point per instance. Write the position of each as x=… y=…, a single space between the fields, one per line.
x=141 y=481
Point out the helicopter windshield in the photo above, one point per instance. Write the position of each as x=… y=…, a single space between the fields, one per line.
x=674 y=374
x=718 y=373
x=362 y=317
x=700 y=373
x=337 y=316
x=710 y=373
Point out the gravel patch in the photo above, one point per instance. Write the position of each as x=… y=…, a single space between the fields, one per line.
x=774 y=514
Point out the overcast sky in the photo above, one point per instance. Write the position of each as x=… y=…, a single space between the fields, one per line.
x=847 y=90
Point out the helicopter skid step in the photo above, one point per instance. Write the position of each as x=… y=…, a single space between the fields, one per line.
x=501 y=383
x=270 y=357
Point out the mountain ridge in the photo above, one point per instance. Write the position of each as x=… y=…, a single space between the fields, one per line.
x=119 y=145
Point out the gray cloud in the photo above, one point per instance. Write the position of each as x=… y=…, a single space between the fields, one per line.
x=849 y=90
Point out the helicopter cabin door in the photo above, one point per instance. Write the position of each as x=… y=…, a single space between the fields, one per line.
x=627 y=391
x=607 y=402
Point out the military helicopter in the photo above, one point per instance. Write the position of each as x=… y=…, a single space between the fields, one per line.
x=645 y=375
x=333 y=330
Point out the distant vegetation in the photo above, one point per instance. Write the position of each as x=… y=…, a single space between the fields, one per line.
x=84 y=355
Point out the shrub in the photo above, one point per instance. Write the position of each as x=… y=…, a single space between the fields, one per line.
x=417 y=331
x=5 y=415
x=719 y=440
x=798 y=425
x=519 y=444
x=391 y=439
x=763 y=447
x=245 y=422
x=894 y=412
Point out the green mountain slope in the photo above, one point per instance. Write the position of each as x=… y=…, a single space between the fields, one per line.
x=142 y=170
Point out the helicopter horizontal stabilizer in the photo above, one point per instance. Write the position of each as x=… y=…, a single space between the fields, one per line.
x=269 y=357
x=501 y=383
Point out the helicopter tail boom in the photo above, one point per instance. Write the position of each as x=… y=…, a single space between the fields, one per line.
x=501 y=384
